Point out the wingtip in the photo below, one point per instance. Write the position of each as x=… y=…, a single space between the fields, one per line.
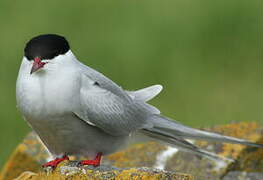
x=159 y=87
x=256 y=145
x=252 y=144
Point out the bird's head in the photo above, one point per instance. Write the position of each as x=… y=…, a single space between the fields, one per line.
x=42 y=49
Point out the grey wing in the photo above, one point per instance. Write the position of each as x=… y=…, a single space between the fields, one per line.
x=104 y=82
x=109 y=110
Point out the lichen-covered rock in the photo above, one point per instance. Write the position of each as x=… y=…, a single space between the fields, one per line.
x=242 y=175
x=30 y=154
x=67 y=171
x=244 y=130
x=139 y=155
x=250 y=159
x=207 y=169
x=27 y=157
x=26 y=175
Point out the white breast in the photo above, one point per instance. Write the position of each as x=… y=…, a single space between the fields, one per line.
x=50 y=91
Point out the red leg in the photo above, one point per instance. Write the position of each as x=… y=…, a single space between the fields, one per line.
x=55 y=162
x=95 y=162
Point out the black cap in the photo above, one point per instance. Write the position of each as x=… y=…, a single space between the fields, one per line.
x=46 y=46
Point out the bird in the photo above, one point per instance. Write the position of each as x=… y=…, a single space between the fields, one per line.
x=76 y=110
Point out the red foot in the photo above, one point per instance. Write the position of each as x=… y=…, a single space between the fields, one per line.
x=95 y=162
x=55 y=162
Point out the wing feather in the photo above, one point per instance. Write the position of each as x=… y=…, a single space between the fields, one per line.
x=108 y=107
x=104 y=82
x=146 y=94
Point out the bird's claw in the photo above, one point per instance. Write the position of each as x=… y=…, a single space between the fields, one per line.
x=53 y=164
x=95 y=162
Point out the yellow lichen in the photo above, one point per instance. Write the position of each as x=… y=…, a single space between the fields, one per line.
x=132 y=174
x=136 y=155
x=18 y=162
x=240 y=130
x=244 y=130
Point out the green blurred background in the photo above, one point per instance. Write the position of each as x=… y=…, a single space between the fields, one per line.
x=207 y=54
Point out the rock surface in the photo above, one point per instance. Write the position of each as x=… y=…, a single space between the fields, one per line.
x=239 y=175
x=67 y=171
x=30 y=154
x=207 y=169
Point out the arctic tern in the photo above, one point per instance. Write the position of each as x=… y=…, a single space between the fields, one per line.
x=75 y=110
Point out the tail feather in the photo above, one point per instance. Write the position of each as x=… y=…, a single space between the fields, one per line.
x=175 y=130
x=174 y=133
x=182 y=144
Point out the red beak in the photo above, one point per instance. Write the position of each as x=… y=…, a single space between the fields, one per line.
x=37 y=65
